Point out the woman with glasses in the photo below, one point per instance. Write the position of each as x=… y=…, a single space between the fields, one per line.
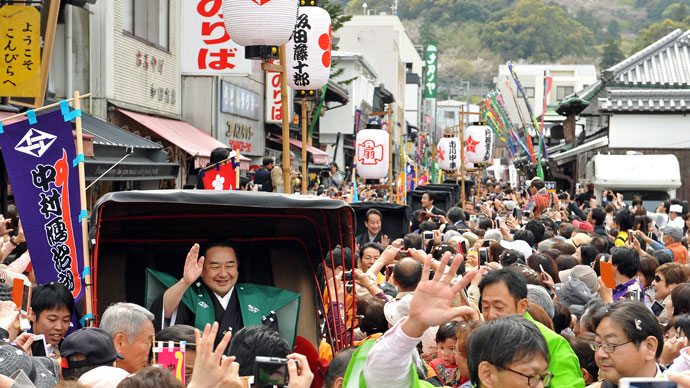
x=667 y=277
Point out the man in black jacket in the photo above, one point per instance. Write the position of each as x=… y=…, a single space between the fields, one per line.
x=373 y=221
x=262 y=176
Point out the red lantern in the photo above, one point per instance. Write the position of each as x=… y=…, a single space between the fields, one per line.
x=259 y=22
x=309 y=51
x=372 y=153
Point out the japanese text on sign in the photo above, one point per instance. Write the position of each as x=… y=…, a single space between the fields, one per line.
x=206 y=46
x=301 y=55
x=431 y=59
x=172 y=359
x=20 y=70
x=239 y=101
x=274 y=106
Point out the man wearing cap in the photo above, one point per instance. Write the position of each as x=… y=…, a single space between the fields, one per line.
x=541 y=199
x=584 y=273
x=670 y=236
x=87 y=349
x=573 y=293
x=675 y=216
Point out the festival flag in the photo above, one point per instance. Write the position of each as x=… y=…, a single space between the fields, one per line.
x=547 y=88
x=355 y=195
x=221 y=175
x=41 y=162
x=524 y=96
x=528 y=138
x=411 y=172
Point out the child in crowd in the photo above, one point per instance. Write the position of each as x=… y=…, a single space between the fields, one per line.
x=444 y=363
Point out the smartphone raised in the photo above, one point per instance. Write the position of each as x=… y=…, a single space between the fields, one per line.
x=483 y=256
x=39 y=347
x=657 y=308
x=463 y=247
x=643 y=382
x=428 y=235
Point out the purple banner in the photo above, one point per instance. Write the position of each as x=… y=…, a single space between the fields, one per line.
x=40 y=160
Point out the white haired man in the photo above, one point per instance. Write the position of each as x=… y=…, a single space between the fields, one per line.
x=131 y=327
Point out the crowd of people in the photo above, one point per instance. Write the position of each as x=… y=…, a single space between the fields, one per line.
x=517 y=288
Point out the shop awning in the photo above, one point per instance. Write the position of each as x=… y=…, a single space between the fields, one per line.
x=184 y=135
x=320 y=157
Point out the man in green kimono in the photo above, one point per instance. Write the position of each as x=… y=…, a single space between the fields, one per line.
x=208 y=292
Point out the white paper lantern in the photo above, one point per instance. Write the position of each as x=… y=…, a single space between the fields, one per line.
x=479 y=140
x=259 y=22
x=372 y=153
x=308 y=53
x=448 y=153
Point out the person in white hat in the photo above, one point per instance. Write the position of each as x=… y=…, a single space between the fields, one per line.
x=675 y=216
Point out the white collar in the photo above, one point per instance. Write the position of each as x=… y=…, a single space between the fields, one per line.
x=224 y=300
x=429 y=210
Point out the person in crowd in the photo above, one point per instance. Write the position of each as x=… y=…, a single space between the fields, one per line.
x=623 y=220
x=504 y=292
x=262 y=176
x=680 y=300
x=277 y=179
x=332 y=177
x=675 y=216
x=541 y=198
x=457 y=217
x=626 y=263
x=335 y=374
x=645 y=274
x=671 y=237
x=628 y=341
x=131 y=328
x=253 y=341
x=520 y=359
x=52 y=306
x=666 y=278
x=368 y=254
x=216 y=297
x=373 y=221
x=86 y=349
x=428 y=204
x=445 y=364
x=588 y=365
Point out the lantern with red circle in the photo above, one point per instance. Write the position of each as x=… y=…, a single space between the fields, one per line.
x=308 y=53
x=372 y=153
x=479 y=140
x=448 y=153
x=260 y=22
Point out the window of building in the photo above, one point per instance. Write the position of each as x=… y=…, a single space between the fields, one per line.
x=563 y=91
x=449 y=114
x=529 y=92
x=147 y=20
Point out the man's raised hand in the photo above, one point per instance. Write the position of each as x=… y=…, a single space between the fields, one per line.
x=192 y=266
x=431 y=304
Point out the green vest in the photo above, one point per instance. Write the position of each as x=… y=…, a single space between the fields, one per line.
x=564 y=364
x=256 y=302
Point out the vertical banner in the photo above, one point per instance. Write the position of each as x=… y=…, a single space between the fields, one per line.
x=20 y=42
x=171 y=356
x=206 y=47
x=42 y=166
x=274 y=105
x=431 y=59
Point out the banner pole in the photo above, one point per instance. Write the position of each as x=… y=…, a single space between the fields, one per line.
x=84 y=221
x=305 y=176
x=237 y=170
x=390 y=154
x=44 y=107
x=287 y=176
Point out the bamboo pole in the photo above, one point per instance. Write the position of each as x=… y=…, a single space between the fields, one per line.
x=287 y=176
x=305 y=177
x=390 y=155
x=83 y=221
x=47 y=107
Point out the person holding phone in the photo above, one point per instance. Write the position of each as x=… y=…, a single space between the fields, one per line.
x=667 y=277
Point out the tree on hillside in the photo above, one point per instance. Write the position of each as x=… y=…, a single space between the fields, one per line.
x=538 y=32
x=676 y=12
x=612 y=54
x=613 y=30
x=655 y=32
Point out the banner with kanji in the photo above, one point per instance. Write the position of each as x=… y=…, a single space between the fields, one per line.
x=20 y=42
x=431 y=60
x=221 y=176
x=41 y=162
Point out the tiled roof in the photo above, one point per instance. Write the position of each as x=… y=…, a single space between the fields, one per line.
x=646 y=100
x=664 y=62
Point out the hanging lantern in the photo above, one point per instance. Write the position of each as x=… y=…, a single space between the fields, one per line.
x=308 y=53
x=372 y=153
x=479 y=142
x=260 y=22
x=448 y=153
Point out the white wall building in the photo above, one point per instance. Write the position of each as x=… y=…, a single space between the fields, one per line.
x=448 y=113
x=361 y=93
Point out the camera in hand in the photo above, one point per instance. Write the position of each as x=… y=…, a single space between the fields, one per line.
x=270 y=371
x=347 y=275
